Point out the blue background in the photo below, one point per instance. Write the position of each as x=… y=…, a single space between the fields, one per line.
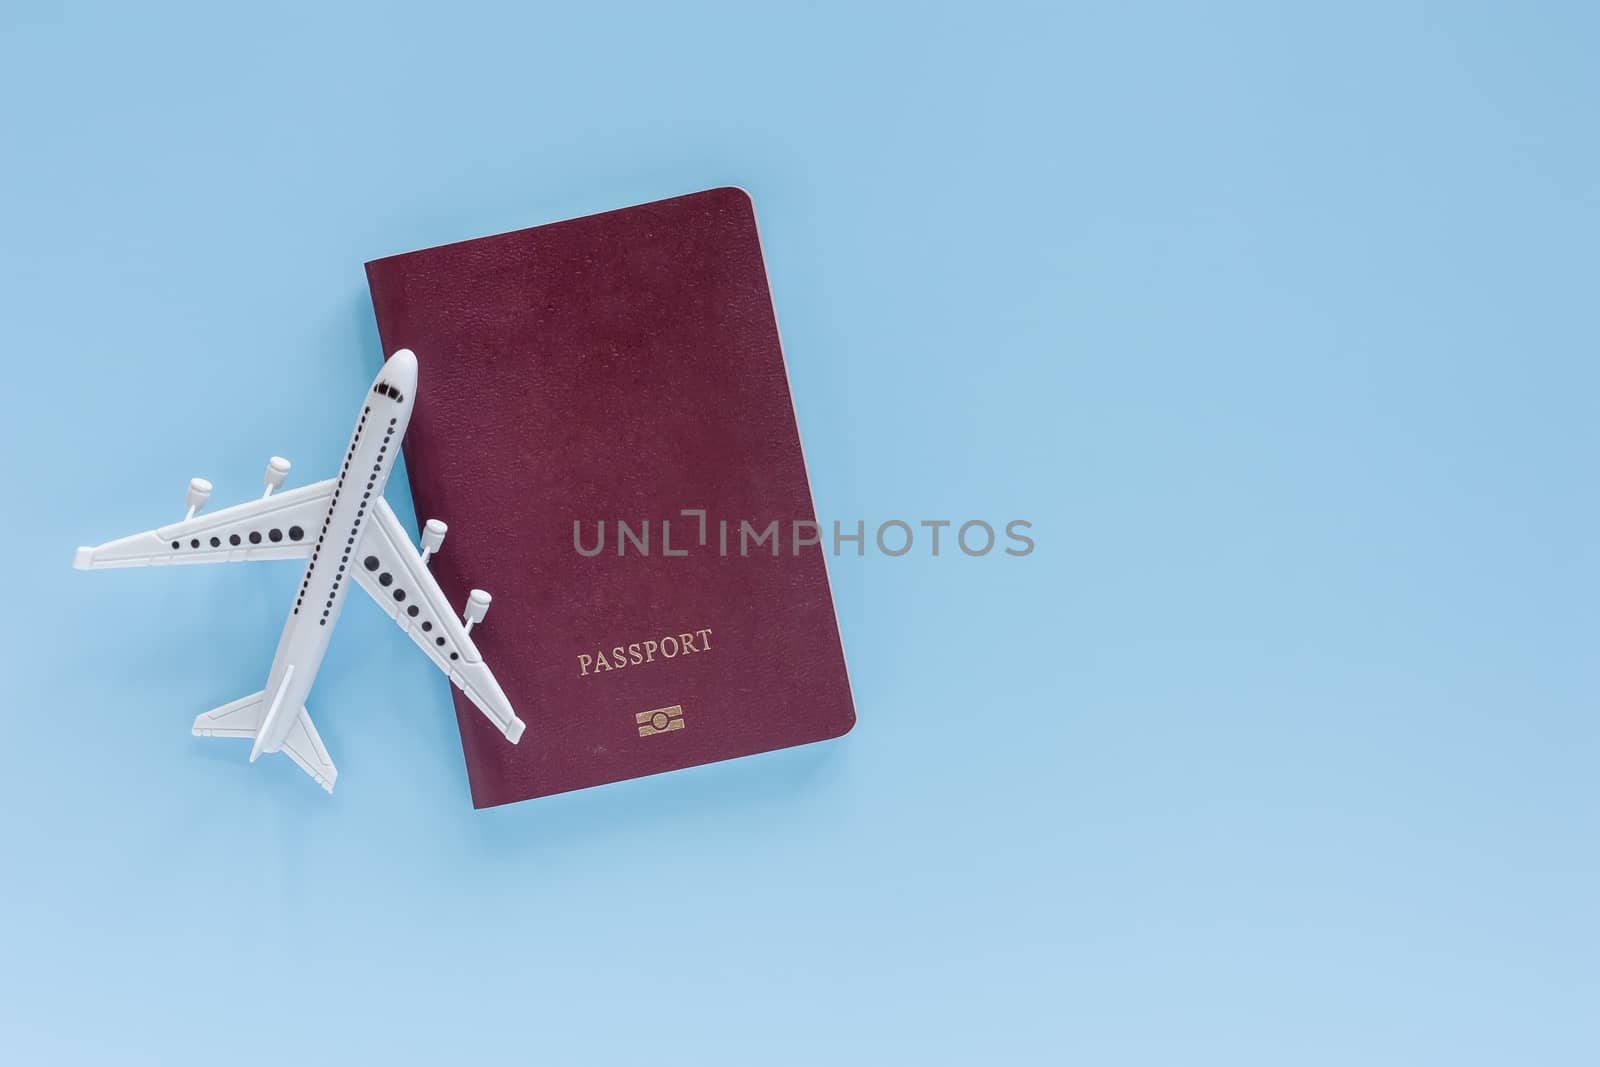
x=1280 y=326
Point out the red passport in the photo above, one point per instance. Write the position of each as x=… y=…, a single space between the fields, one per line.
x=603 y=419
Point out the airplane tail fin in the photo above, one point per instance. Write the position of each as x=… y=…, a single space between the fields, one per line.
x=245 y=717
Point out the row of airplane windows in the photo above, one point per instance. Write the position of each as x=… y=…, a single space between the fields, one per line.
x=385 y=389
x=385 y=579
x=274 y=535
x=361 y=508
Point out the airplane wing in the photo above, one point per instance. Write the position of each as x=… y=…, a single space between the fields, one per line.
x=389 y=567
x=281 y=526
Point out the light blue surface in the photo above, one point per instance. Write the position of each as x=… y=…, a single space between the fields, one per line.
x=1281 y=748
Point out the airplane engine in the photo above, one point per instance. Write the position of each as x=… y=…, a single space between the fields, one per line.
x=477 y=608
x=277 y=471
x=433 y=532
x=199 y=493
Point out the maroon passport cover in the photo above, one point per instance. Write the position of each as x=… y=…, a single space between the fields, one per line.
x=623 y=366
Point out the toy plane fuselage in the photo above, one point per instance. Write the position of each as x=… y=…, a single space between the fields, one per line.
x=347 y=534
x=374 y=444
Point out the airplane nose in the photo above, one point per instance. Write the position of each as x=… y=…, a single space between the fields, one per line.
x=401 y=370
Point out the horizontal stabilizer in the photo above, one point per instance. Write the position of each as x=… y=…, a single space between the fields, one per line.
x=240 y=719
x=243 y=718
x=305 y=747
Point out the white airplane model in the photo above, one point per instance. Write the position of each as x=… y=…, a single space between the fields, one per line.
x=346 y=530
